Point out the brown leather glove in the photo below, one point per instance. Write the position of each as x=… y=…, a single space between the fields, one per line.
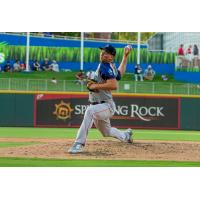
x=90 y=82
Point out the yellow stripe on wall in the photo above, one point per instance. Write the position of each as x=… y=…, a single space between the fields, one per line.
x=114 y=94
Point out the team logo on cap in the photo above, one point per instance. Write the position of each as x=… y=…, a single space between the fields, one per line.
x=63 y=110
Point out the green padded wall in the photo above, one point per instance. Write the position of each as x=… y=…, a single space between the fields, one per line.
x=190 y=113
x=16 y=109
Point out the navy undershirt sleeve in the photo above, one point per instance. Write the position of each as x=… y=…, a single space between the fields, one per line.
x=118 y=78
x=106 y=71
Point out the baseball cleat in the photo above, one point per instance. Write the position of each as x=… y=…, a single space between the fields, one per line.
x=129 y=135
x=76 y=148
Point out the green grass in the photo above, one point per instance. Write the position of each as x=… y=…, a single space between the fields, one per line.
x=68 y=76
x=95 y=134
x=44 y=133
x=16 y=144
x=40 y=75
x=41 y=81
x=33 y=162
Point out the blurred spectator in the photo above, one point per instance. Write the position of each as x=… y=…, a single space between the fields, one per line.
x=36 y=66
x=195 y=50
x=181 y=59
x=189 y=56
x=164 y=77
x=54 y=66
x=81 y=77
x=189 y=50
x=7 y=67
x=138 y=73
x=46 y=65
x=16 y=66
x=181 y=50
x=196 y=56
x=189 y=53
x=22 y=66
x=149 y=73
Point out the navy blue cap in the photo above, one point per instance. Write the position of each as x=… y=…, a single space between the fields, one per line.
x=109 y=49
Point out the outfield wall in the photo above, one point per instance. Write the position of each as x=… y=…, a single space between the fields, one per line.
x=190 y=113
x=16 y=109
x=138 y=112
x=67 y=110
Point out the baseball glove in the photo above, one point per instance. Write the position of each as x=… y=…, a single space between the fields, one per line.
x=90 y=82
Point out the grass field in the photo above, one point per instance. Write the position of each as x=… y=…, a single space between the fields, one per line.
x=93 y=134
x=41 y=81
x=20 y=162
x=68 y=76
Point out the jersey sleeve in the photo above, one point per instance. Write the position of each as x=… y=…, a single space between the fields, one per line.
x=106 y=71
x=119 y=76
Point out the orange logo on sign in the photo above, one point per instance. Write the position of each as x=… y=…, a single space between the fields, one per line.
x=63 y=110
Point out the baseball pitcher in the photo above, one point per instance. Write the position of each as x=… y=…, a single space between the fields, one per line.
x=102 y=106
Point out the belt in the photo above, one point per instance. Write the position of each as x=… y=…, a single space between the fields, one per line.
x=95 y=103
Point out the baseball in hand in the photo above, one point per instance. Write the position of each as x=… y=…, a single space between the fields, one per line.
x=129 y=47
x=127 y=50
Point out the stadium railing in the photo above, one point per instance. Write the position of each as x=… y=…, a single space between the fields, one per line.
x=12 y=84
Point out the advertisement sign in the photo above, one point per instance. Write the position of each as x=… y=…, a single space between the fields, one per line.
x=52 y=110
x=147 y=112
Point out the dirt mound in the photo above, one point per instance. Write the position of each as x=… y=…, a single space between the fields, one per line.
x=105 y=149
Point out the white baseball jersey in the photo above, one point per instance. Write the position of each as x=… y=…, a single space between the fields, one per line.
x=104 y=71
x=102 y=107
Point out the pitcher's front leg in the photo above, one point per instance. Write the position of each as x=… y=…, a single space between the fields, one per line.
x=85 y=126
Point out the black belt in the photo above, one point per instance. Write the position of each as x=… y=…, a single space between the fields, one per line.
x=95 y=103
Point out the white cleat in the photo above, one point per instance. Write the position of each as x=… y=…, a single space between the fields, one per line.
x=129 y=135
x=76 y=148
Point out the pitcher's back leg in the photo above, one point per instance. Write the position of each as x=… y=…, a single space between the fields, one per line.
x=105 y=128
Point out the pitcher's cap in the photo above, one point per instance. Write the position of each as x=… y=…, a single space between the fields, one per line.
x=109 y=49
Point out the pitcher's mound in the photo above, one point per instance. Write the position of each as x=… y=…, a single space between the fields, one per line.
x=105 y=149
